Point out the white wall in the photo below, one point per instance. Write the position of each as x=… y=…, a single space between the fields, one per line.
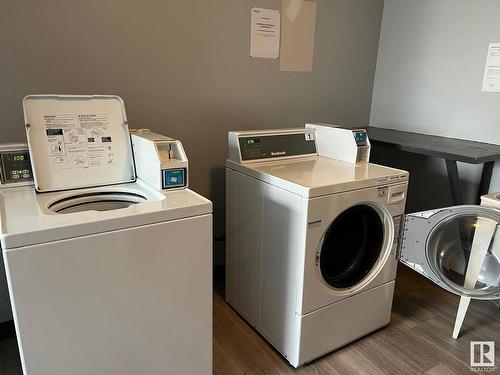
x=428 y=79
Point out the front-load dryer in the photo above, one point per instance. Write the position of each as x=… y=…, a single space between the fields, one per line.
x=104 y=273
x=311 y=251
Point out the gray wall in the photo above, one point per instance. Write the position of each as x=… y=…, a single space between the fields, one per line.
x=183 y=69
x=428 y=79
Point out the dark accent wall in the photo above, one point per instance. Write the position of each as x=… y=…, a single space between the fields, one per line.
x=183 y=69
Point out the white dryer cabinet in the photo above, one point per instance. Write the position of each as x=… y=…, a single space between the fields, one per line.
x=311 y=246
x=274 y=278
x=313 y=242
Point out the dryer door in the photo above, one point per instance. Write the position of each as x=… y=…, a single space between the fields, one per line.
x=458 y=248
x=360 y=229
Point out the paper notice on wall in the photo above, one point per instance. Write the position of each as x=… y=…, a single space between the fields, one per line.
x=491 y=80
x=265 y=33
x=79 y=140
x=297 y=36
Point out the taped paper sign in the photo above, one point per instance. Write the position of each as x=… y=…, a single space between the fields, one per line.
x=265 y=33
x=491 y=78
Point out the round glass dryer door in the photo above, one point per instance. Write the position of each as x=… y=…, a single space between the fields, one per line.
x=464 y=252
x=351 y=247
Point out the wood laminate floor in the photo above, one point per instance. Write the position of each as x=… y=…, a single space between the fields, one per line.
x=417 y=341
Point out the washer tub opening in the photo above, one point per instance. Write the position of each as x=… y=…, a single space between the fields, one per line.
x=99 y=201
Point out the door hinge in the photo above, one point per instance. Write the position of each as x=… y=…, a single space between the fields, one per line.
x=400 y=229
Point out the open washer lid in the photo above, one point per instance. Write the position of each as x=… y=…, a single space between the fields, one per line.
x=78 y=141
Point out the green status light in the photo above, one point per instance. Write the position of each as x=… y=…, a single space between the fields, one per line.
x=251 y=141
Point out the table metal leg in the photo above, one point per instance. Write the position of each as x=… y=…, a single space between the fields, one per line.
x=453 y=179
x=484 y=185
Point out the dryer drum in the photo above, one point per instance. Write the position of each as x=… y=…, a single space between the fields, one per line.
x=351 y=246
x=464 y=252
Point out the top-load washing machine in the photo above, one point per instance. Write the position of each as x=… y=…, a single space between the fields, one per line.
x=312 y=240
x=104 y=273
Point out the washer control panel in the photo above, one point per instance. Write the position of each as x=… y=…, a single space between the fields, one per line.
x=15 y=165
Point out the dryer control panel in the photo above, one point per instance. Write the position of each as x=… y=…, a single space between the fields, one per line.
x=254 y=146
x=15 y=165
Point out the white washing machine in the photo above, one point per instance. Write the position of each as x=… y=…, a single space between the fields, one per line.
x=104 y=272
x=311 y=251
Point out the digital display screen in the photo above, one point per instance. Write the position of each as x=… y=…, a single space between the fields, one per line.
x=174 y=178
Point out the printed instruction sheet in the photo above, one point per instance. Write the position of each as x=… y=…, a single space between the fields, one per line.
x=265 y=33
x=79 y=140
x=491 y=79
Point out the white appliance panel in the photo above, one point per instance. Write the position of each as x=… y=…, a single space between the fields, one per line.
x=262 y=255
x=322 y=212
x=26 y=218
x=317 y=176
x=336 y=325
x=350 y=145
x=96 y=298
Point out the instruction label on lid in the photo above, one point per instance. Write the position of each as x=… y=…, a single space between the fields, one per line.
x=79 y=140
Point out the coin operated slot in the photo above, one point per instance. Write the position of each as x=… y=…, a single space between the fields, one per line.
x=174 y=178
x=349 y=145
x=160 y=161
x=397 y=194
